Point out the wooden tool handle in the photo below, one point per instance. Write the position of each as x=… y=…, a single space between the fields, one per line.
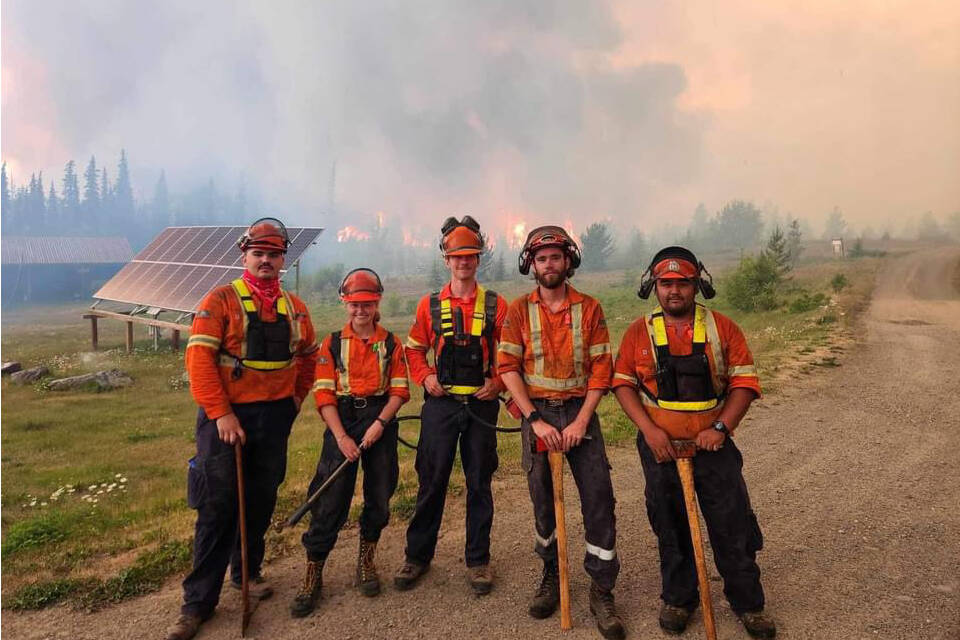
x=556 y=473
x=244 y=565
x=685 y=468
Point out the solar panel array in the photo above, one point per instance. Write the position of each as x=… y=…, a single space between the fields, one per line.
x=182 y=264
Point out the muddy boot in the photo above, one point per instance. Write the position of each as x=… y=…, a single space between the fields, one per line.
x=480 y=579
x=547 y=598
x=758 y=624
x=367 y=579
x=408 y=575
x=259 y=588
x=185 y=627
x=603 y=609
x=673 y=619
x=306 y=599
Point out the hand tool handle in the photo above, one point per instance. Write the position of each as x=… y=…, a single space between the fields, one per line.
x=302 y=511
x=556 y=472
x=685 y=469
x=244 y=567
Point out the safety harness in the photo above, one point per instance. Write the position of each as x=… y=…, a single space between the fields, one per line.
x=267 y=346
x=340 y=350
x=686 y=383
x=460 y=364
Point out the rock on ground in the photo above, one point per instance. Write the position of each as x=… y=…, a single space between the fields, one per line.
x=10 y=367
x=29 y=375
x=101 y=381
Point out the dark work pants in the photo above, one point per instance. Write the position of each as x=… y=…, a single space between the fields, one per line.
x=443 y=423
x=731 y=524
x=380 y=474
x=591 y=472
x=212 y=491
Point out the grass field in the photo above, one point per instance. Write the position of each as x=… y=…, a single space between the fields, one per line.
x=93 y=484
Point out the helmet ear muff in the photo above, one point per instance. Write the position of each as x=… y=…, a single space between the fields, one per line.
x=706 y=284
x=646 y=285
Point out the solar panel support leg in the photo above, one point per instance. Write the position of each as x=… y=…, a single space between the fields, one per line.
x=93 y=332
x=175 y=340
x=129 y=337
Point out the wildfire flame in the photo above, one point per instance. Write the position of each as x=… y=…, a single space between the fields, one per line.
x=411 y=240
x=348 y=234
x=518 y=235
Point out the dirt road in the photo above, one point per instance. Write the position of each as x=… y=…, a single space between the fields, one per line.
x=852 y=473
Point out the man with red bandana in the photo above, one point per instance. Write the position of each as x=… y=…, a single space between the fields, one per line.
x=251 y=359
x=684 y=372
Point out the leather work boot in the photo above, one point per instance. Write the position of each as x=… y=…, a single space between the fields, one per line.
x=603 y=609
x=409 y=574
x=185 y=627
x=480 y=578
x=547 y=598
x=367 y=579
x=673 y=619
x=260 y=588
x=306 y=599
x=758 y=624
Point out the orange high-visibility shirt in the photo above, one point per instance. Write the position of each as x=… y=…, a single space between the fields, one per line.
x=560 y=354
x=368 y=373
x=420 y=339
x=218 y=329
x=635 y=365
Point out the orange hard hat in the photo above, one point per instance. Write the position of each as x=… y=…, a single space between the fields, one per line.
x=361 y=285
x=676 y=268
x=265 y=233
x=461 y=237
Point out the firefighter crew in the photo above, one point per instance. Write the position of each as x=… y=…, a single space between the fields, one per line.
x=461 y=324
x=686 y=372
x=251 y=358
x=555 y=360
x=361 y=383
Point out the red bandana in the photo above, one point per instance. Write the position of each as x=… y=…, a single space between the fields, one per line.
x=267 y=289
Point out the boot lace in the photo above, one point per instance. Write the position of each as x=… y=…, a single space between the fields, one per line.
x=549 y=583
x=368 y=570
x=310 y=580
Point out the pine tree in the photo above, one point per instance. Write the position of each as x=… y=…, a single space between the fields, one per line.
x=436 y=278
x=38 y=207
x=70 y=212
x=91 y=198
x=835 y=226
x=6 y=209
x=161 y=204
x=500 y=270
x=777 y=250
x=794 y=236
x=53 y=212
x=597 y=244
x=123 y=196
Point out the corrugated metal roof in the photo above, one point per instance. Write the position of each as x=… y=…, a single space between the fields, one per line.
x=55 y=250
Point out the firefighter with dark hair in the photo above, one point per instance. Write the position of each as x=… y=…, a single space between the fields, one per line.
x=555 y=359
x=360 y=385
x=684 y=372
x=461 y=324
x=251 y=358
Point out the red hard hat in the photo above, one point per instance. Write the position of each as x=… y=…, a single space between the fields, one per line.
x=265 y=233
x=361 y=285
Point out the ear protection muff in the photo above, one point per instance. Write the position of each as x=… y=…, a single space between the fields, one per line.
x=704 y=284
x=525 y=259
x=341 y=292
x=452 y=223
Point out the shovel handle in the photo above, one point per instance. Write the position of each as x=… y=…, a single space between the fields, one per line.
x=556 y=472
x=244 y=564
x=685 y=469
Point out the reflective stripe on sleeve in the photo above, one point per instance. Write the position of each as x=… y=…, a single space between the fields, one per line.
x=413 y=344
x=626 y=376
x=599 y=349
x=746 y=370
x=399 y=382
x=324 y=385
x=201 y=340
x=511 y=349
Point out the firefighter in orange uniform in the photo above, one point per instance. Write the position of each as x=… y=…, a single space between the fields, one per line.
x=361 y=384
x=686 y=372
x=555 y=359
x=461 y=323
x=251 y=358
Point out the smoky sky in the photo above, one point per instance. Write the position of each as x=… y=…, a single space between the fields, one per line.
x=497 y=108
x=533 y=110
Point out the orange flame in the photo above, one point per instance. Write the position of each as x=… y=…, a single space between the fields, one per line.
x=348 y=234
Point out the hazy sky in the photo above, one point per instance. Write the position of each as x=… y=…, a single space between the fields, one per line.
x=515 y=109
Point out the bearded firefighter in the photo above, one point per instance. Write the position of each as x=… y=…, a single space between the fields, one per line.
x=684 y=372
x=555 y=360
x=461 y=325
x=251 y=358
x=361 y=383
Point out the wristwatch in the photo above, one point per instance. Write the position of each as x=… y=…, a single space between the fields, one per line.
x=719 y=426
x=533 y=417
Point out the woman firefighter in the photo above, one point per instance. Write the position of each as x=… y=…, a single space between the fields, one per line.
x=360 y=385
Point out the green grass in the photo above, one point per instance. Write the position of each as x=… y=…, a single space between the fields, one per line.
x=63 y=540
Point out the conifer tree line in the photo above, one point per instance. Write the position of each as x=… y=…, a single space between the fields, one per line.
x=99 y=201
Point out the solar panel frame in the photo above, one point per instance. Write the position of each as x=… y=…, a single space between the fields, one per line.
x=182 y=264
